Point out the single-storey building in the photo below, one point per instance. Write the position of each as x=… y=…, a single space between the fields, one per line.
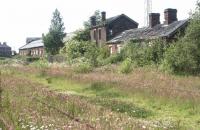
x=109 y=28
x=5 y=50
x=34 y=47
x=168 y=30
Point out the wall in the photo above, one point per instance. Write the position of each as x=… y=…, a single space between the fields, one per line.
x=39 y=51
x=5 y=51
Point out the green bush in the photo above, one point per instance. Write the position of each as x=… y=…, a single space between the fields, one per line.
x=181 y=57
x=144 y=52
x=32 y=59
x=83 y=67
x=77 y=49
x=126 y=66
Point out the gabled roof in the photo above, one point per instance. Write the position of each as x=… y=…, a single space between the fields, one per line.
x=34 y=44
x=158 y=31
x=112 y=19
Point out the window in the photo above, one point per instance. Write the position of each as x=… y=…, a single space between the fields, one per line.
x=119 y=48
x=111 y=32
x=94 y=34
x=99 y=34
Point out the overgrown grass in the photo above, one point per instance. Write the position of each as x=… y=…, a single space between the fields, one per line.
x=171 y=113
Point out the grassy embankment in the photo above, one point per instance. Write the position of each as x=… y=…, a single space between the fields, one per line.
x=143 y=99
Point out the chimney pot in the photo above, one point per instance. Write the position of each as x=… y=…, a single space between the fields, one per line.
x=170 y=16
x=154 y=19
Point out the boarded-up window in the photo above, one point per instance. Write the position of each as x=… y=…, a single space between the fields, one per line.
x=99 y=34
x=94 y=34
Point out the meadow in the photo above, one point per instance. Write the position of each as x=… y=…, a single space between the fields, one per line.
x=56 y=97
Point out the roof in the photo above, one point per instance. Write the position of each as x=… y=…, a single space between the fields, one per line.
x=34 y=44
x=159 y=31
x=112 y=19
x=4 y=46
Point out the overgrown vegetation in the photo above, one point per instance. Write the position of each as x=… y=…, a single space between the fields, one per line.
x=53 y=40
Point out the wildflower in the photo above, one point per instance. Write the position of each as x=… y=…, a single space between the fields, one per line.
x=144 y=127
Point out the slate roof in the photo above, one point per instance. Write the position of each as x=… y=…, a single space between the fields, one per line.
x=4 y=46
x=112 y=19
x=158 y=31
x=33 y=44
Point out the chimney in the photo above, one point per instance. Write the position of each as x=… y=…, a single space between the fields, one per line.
x=4 y=43
x=170 y=16
x=93 y=21
x=154 y=19
x=103 y=16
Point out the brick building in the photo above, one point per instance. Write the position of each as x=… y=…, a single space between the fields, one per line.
x=33 y=47
x=5 y=50
x=109 y=28
x=168 y=30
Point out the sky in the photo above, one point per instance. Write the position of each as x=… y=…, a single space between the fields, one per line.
x=30 y=18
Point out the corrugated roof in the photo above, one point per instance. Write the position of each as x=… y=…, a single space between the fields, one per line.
x=160 y=30
x=34 y=44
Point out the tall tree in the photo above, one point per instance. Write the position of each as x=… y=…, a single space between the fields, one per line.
x=53 y=40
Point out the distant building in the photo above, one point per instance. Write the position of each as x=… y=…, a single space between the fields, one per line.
x=109 y=28
x=34 y=47
x=167 y=31
x=5 y=50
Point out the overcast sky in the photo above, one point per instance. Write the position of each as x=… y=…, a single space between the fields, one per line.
x=30 y=18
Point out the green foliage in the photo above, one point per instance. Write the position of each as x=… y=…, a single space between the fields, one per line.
x=82 y=35
x=53 y=40
x=145 y=53
x=181 y=57
x=97 y=14
x=184 y=55
x=32 y=59
x=126 y=66
x=83 y=67
x=77 y=49
x=113 y=59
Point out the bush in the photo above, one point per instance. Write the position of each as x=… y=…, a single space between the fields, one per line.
x=32 y=59
x=145 y=53
x=126 y=66
x=77 y=49
x=181 y=57
x=83 y=67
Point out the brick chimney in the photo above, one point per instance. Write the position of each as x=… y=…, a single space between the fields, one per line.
x=103 y=16
x=4 y=43
x=154 y=19
x=170 y=16
x=93 y=21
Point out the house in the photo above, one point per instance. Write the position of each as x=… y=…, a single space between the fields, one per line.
x=34 y=47
x=109 y=28
x=168 y=30
x=5 y=50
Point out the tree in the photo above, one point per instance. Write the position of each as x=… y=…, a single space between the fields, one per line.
x=84 y=34
x=184 y=55
x=53 y=40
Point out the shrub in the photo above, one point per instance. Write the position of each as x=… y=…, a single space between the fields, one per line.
x=145 y=53
x=32 y=59
x=114 y=58
x=181 y=57
x=77 y=49
x=126 y=66
x=83 y=67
